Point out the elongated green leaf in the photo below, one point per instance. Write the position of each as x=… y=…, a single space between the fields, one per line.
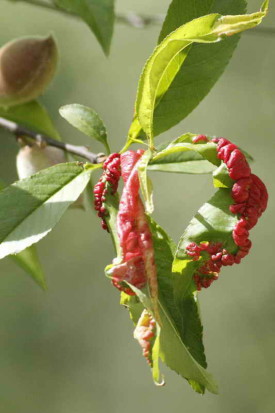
x=182 y=310
x=32 y=115
x=98 y=14
x=174 y=352
x=181 y=345
x=213 y=222
x=188 y=162
x=184 y=163
x=202 y=67
x=30 y=208
x=29 y=261
x=182 y=156
x=87 y=121
x=208 y=151
x=162 y=67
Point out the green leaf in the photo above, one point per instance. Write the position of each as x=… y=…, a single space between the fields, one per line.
x=145 y=182
x=184 y=163
x=132 y=303
x=30 y=208
x=98 y=14
x=181 y=12
x=167 y=59
x=29 y=261
x=181 y=346
x=32 y=115
x=135 y=307
x=214 y=223
x=188 y=162
x=87 y=121
x=182 y=310
x=183 y=156
x=208 y=151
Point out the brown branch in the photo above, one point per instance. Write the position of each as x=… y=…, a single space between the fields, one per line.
x=82 y=151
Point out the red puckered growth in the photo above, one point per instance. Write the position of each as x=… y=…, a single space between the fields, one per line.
x=108 y=182
x=250 y=201
x=145 y=333
x=138 y=265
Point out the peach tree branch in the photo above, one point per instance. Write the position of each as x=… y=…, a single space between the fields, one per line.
x=82 y=151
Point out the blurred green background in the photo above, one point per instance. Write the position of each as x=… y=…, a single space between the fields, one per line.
x=70 y=350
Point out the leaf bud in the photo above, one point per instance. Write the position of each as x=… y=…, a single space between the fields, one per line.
x=27 y=65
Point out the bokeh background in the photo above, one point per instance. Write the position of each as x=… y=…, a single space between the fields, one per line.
x=70 y=350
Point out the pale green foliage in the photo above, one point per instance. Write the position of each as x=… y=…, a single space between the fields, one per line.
x=87 y=121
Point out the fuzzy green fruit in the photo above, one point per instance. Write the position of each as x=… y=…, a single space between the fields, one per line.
x=35 y=157
x=27 y=66
x=32 y=159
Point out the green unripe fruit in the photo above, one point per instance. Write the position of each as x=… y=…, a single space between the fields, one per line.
x=27 y=66
x=34 y=157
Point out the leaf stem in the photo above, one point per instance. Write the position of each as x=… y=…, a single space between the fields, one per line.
x=82 y=151
x=107 y=147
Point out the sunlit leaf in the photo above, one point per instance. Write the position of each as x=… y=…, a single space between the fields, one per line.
x=29 y=261
x=164 y=64
x=146 y=185
x=181 y=346
x=30 y=208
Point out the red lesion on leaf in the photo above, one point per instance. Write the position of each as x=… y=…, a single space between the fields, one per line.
x=138 y=263
x=200 y=138
x=145 y=333
x=214 y=257
x=107 y=183
x=250 y=201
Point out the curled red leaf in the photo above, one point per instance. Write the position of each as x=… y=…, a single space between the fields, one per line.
x=250 y=201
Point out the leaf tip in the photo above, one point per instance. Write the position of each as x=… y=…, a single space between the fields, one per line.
x=265 y=6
